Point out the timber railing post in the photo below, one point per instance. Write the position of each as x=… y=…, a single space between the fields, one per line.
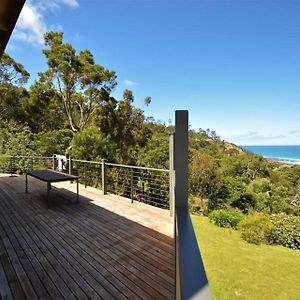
x=191 y=280
x=171 y=174
x=181 y=158
x=104 y=179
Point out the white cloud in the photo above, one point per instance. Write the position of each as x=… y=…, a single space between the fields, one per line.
x=252 y=135
x=294 y=132
x=31 y=25
x=128 y=82
x=71 y=3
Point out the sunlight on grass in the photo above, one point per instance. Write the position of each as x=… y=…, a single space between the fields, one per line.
x=238 y=270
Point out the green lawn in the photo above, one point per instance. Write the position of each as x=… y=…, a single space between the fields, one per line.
x=238 y=270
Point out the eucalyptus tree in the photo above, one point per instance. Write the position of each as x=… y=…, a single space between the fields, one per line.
x=12 y=72
x=12 y=94
x=80 y=83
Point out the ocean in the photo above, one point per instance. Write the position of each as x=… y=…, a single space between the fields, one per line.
x=286 y=154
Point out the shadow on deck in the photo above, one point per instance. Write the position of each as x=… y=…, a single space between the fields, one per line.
x=104 y=247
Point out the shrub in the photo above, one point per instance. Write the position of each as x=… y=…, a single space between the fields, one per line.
x=198 y=205
x=286 y=231
x=256 y=229
x=225 y=218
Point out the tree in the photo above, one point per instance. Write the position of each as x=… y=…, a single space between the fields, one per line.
x=82 y=85
x=13 y=96
x=12 y=72
x=44 y=109
x=204 y=176
x=124 y=125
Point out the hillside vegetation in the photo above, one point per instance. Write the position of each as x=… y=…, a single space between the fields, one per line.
x=70 y=109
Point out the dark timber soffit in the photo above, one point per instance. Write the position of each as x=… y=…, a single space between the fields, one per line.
x=9 y=14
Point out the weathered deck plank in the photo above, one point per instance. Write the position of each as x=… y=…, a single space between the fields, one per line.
x=105 y=247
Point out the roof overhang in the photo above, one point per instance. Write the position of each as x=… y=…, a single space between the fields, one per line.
x=9 y=13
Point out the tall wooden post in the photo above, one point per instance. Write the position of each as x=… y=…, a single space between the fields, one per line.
x=171 y=174
x=181 y=158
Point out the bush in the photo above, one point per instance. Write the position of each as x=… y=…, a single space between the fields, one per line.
x=256 y=229
x=225 y=218
x=198 y=205
x=286 y=231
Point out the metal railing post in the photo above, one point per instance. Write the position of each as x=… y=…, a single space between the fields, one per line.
x=31 y=164
x=70 y=165
x=104 y=183
x=84 y=170
x=131 y=184
x=53 y=162
x=11 y=166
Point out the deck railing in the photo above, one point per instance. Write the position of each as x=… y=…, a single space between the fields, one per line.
x=147 y=185
x=159 y=187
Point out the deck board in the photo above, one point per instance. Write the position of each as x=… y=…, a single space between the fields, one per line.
x=102 y=248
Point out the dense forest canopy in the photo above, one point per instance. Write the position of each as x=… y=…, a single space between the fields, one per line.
x=70 y=109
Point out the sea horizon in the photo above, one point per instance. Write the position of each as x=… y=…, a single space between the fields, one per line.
x=283 y=153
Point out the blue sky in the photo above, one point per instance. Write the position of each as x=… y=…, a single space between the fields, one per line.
x=235 y=65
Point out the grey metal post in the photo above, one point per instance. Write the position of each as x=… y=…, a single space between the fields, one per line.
x=84 y=169
x=70 y=165
x=11 y=166
x=181 y=158
x=53 y=162
x=171 y=173
x=131 y=184
x=104 y=186
x=31 y=163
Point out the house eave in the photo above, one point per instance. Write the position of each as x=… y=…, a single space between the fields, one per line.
x=9 y=14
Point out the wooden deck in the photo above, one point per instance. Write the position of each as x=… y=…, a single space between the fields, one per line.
x=102 y=248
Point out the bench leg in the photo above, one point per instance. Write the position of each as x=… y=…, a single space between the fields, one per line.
x=48 y=190
x=77 y=191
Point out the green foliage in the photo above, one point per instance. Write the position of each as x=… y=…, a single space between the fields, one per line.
x=16 y=139
x=91 y=145
x=80 y=83
x=226 y=218
x=280 y=229
x=124 y=125
x=49 y=142
x=12 y=72
x=204 y=175
x=286 y=231
x=198 y=205
x=44 y=110
x=256 y=229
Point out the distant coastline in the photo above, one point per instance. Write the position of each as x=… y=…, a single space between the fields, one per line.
x=287 y=154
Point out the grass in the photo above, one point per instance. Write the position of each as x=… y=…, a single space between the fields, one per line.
x=238 y=270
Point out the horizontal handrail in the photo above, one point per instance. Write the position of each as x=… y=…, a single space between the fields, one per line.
x=191 y=280
x=87 y=161
x=137 y=167
x=24 y=156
